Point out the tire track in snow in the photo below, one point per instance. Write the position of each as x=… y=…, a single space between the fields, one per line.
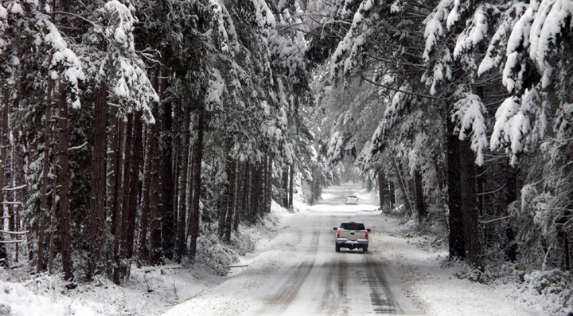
x=336 y=285
x=383 y=300
x=288 y=292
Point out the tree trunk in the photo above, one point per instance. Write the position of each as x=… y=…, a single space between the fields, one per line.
x=130 y=193
x=269 y=186
x=456 y=238
x=128 y=178
x=422 y=214
x=167 y=184
x=391 y=193
x=189 y=194
x=241 y=174
x=245 y=192
x=183 y=186
x=402 y=184
x=65 y=215
x=3 y=158
x=469 y=202
x=98 y=183
x=381 y=187
x=117 y=195
x=291 y=188
x=155 y=205
x=155 y=209
x=44 y=190
x=285 y=187
x=197 y=159
x=231 y=200
x=143 y=248
x=224 y=200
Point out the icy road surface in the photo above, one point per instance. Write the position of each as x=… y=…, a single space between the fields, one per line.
x=299 y=272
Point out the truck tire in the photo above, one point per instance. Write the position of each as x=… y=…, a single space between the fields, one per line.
x=337 y=248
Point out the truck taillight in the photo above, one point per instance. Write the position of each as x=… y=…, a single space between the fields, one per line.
x=337 y=234
x=366 y=235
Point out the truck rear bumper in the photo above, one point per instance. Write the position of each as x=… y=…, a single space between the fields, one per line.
x=352 y=244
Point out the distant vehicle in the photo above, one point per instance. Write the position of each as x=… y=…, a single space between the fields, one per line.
x=352 y=199
x=352 y=235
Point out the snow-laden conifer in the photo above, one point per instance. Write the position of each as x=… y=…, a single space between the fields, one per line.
x=119 y=66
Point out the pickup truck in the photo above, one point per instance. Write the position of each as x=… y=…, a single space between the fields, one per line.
x=352 y=235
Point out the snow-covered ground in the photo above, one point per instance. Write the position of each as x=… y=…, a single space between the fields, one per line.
x=294 y=271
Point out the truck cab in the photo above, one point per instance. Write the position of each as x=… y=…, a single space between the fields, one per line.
x=351 y=235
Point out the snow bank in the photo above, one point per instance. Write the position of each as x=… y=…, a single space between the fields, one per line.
x=17 y=300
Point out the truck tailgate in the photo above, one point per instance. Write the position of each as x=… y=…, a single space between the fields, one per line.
x=352 y=235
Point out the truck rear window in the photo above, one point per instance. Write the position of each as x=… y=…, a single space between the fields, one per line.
x=352 y=226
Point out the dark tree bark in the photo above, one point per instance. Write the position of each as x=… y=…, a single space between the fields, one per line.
x=3 y=158
x=44 y=189
x=128 y=178
x=285 y=187
x=456 y=238
x=167 y=184
x=391 y=193
x=245 y=191
x=117 y=215
x=155 y=208
x=134 y=156
x=402 y=183
x=230 y=200
x=197 y=159
x=254 y=191
x=291 y=187
x=240 y=204
x=269 y=186
x=183 y=166
x=65 y=215
x=469 y=202
x=98 y=189
x=143 y=248
x=381 y=187
x=225 y=201
x=422 y=214
x=512 y=186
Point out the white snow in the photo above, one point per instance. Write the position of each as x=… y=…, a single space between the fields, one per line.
x=16 y=8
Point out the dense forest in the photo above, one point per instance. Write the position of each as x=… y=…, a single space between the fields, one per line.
x=138 y=132
x=461 y=110
x=130 y=130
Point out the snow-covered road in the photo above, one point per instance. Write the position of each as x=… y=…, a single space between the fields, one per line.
x=299 y=273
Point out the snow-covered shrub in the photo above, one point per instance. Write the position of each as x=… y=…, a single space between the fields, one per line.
x=556 y=285
x=215 y=255
x=243 y=243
